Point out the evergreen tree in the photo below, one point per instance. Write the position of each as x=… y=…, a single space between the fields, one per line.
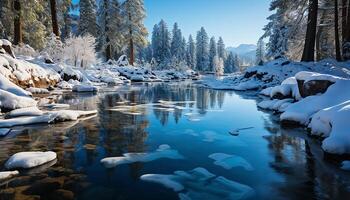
x=183 y=50
x=161 y=43
x=202 y=52
x=260 y=52
x=221 y=49
x=230 y=64
x=191 y=53
x=310 y=38
x=87 y=22
x=176 y=43
x=134 y=30
x=212 y=53
x=110 y=34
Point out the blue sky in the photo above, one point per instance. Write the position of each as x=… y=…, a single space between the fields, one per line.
x=237 y=21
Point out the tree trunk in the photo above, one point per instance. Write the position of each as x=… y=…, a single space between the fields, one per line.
x=309 y=46
x=55 y=29
x=343 y=19
x=336 y=31
x=346 y=42
x=318 y=36
x=108 y=50
x=18 y=35
x=131 y=44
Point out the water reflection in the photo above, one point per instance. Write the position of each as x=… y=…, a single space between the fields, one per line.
x=287 y=164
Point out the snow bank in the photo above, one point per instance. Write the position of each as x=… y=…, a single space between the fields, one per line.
x=302 y=110
x=201 y=184
x=29 y=159
x=8 y=86
x=333 y=123
x=11 y=101
x=163 y=151
x=8 y=174
x=230 y=161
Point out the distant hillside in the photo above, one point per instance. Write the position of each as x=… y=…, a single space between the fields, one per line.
x=245 y=52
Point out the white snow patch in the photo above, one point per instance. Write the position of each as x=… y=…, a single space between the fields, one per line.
x=8 y=174
x=11 y=101
x=29 y=111
x=29 y=159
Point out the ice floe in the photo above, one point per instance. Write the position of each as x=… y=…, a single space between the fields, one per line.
x=201 y=184
x=163 y=151
x=345 y=165
x=230 y=161
x=29 y=159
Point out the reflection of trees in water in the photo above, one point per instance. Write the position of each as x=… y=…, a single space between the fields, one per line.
x=306 y=174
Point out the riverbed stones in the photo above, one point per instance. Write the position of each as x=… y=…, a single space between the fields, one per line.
x=44 y=186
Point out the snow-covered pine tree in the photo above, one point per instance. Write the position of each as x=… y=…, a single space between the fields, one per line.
x=161 y=43
x=260 y=52
x=111 y=39
x=221 y=49
x=183 y=50
x=218 y=66
x=202 y=50
x=191 y=53
x=230 y=64
x=176 y=43
x=87 y=22
x=135 y=32
x=237 y=62
x=212 y=53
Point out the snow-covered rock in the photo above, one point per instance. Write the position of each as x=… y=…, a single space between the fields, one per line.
x=8 y=174
x=29 y=111
x=11 y=101
x=29 y=159
x=8 y=86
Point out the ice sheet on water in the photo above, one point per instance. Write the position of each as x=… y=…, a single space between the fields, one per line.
x=230 y=161
x=201 y=184
x=346 y=165
x=212 y=136
x=163 y=151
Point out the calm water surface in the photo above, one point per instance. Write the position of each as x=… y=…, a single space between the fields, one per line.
x=269 y=162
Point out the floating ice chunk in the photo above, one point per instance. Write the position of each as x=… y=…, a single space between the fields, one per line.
x=201 y=184
x=70 y=115
x=163 y=151
x=30 y=111
x=211 y=136
x=230 y=161
x=29 y=159
x=345 y=165
x=8 y=174
x=4 y=131
x=166 y=180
